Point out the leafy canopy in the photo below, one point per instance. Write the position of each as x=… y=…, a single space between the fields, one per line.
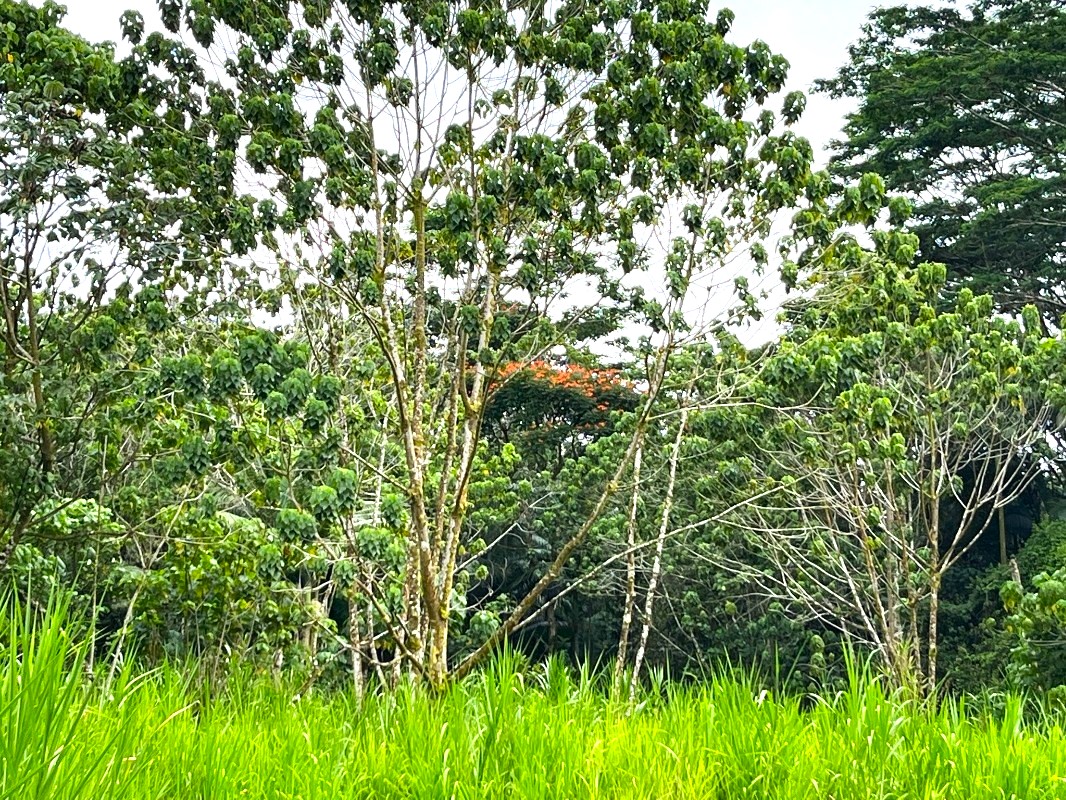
x=963 y=111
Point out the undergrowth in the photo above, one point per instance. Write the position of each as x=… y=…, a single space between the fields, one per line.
x=69 y=732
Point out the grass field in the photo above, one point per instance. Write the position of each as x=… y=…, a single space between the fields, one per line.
x=501 y=734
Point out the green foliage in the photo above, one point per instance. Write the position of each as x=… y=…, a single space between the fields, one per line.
x=1038 y=620
x=221 y=586
x=1044 y=550
x=1037 y=614
x=560 y=138
x=78 y=552
x=353 y=449
x=102 y=218
x=957 y=110
x=874 y=427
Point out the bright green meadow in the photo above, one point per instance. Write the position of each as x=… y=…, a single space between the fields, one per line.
x=542 y=733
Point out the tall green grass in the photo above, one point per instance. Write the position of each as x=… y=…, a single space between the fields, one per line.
x=505 y=733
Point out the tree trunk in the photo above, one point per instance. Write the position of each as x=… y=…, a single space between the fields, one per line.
x=1003 y=536
x=656 y=566
x=933 y=645
x=44 y=428
x=935 y=575
x=631 y=569
x=355 y=640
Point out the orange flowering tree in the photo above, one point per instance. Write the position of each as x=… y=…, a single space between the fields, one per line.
x=551 y=412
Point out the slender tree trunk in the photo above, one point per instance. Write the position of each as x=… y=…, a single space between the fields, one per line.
x=372 y=647
x=909 y=581
x=1002 y=535
x=1001 y=515
x=44 y=427
x=934 y=645
x=938 y=459
x=11 y=313
x=656 y=565
x=433 y=639
x=473 y=415
x=368 y=581
x=935 y=575
x=355 y=639
x=895 y=636
x=631 y=569
x=419 y=595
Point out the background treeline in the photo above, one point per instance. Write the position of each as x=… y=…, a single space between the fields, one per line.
x=361 y=337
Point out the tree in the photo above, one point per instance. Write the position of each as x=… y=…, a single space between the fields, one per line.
x=88 y=216
x=893 y=431
x=551 y=411
x=1036 y=607
x=964 y=112
x=434 y=163
x=139 y=402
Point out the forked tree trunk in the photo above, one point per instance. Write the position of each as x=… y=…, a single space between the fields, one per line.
x=562 y=558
